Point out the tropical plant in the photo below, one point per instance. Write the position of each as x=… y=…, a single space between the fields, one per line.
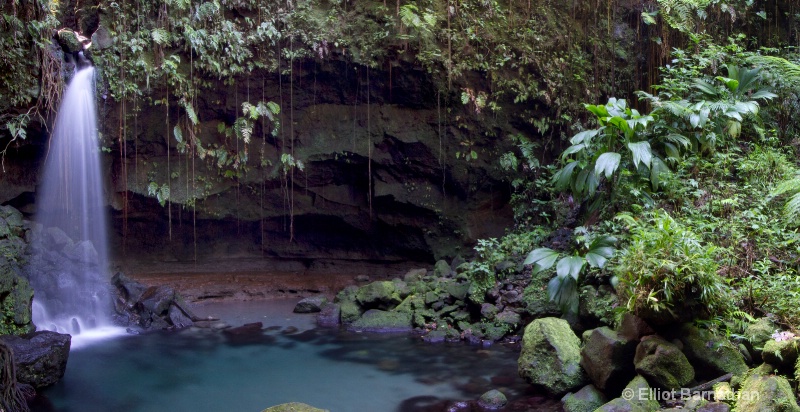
x=791 y=209
x=594 y=251
x=667 y=269
x=597 y=154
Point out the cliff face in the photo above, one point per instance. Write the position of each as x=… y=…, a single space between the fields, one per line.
x=378 y=182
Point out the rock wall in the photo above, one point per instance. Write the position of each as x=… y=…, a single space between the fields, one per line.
x=380 y=181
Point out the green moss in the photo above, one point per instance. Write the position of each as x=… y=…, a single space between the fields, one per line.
x=383 y=321
x=551 y=356
x=711 y=354
x=781 y=354
x=383 y=292
x=585 y=400
x=766 y=393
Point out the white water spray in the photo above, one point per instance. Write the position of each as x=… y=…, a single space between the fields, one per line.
x=71 y=281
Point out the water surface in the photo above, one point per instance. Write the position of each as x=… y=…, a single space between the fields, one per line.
x=291 y=361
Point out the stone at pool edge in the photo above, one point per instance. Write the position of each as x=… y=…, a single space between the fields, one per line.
x=310 y=305
x=294 y=407
x=492 y=399
x=41 y=357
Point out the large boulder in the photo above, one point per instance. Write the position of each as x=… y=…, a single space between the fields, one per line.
x=633 y=328
x=551 y=356
x=587 y=399
x=375 y=320
x=294 y=407
x=154 y=307
x=380 y=294
x=636 y=397
x=607 y=359
x=41 y=357
x=770 y=393
x=662 y=363
x=311 y=304
x=712 y=355
x=782 y=354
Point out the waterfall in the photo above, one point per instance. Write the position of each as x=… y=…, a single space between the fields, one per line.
x=69 y=265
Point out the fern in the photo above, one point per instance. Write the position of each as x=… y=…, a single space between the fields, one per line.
x=779 y=67
x=791 y=210
x=682 y=14
x=160 y=36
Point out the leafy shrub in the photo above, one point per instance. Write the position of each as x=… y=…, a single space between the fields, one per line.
x=667 y=268
x=496 y=258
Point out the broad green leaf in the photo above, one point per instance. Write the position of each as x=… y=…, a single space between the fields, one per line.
x=570 y=266
x=679 y=139
x=572 y=150
x=619 y=123
x=607 y=163
x=542 y=258
x=694 y=120
x=178 y=133
x=563 y=177
x=659 y=168
x=672 y=151
x=599 y=110
x=641 y=153
x=564 y=292
x=600 y=250
x=763 y=94
x=584 y=136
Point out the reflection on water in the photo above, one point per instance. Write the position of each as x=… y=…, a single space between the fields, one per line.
x=201 y=369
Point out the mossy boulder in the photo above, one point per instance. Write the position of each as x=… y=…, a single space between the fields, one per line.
x=375 y=320
x=349 y=311
x=41 y=357
x=442 y=269
x=492 y=399
x=636 y=398
x=758 y=333
x=662 y=363
x=69 y=41
x=294 y=407
x=587 y=399
x=551 y=355
x=378 y=294
x=712 y=355
x=769 y=393
x=781 y=354
x=597 y=305
x=607 y=359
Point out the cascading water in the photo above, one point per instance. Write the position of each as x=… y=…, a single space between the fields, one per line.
x=69 y=268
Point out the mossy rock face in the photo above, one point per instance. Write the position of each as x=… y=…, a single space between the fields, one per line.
x=585 y=400
x=294 y=407
x=551 y=356
x=375 y=320
x=760 y=332
x=537 y=302
x=636 y=398
x=781 y=354
x=349 y=311
x=712 y=355
x=597 y=305
x=662 y=363
x=769 y=393
x=441 y=269
x=68 y=39
x=383 y=294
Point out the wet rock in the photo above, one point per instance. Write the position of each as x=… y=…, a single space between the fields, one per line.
x=329 y=315
x=489 y=311
x=714 y=407
x=349 y=311
x=83 y=252
x=41 y=357
x=157 y=299
x=766 y=393
x=607 y=359
x=586 y=399
x=294 y=407
x=101 y=38
x=310 y=305
x=633 y=328
x=246 y=329
x=69 y=41
x=493 y=399
x=441 y=269
x=781 y=354
x=712 y=355
x=382 y=293
x=375 y=320
x=178 y=318
x=636 y=399
x=508 y=317
x=211 y=324
x=551 y=356
x=662 y=363
x=55 y=239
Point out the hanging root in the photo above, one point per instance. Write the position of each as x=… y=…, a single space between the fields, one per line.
x=12 y=393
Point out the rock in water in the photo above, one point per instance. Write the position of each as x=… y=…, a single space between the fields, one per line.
x=551 y=355
x=493 y=399
x=41 y=357
x=310 y=305
x=294 y=407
